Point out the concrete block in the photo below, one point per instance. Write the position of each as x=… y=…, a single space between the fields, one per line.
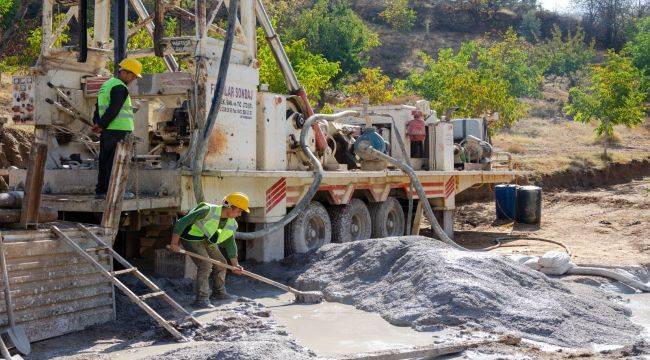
x=268 y=248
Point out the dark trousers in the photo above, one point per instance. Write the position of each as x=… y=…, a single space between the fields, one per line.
x=107 y=144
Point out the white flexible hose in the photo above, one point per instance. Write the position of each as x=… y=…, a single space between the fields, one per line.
x=596 y=271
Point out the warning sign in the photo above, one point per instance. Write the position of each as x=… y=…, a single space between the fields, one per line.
x=22 y=104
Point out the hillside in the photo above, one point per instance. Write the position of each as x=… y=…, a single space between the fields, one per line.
x=398 y=53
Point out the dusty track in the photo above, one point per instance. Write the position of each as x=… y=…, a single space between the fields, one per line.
x=607 y=225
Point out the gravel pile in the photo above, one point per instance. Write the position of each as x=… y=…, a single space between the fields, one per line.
x=414 y=281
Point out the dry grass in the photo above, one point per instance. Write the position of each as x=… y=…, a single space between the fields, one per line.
x=550 y=145
x=516 y=149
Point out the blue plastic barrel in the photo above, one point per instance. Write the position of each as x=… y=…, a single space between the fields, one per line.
x=505 y=196
x=529 y=204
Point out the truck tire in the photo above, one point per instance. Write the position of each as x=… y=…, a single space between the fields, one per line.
x=387 y=218
x=310 y=230
x=350 y=222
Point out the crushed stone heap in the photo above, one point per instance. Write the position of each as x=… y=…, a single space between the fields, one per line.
x=419 y=282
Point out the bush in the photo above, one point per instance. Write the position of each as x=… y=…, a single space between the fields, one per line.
x=333 y=29
x=564 y=56
x=398 y=15
x=531 y=26
x=516 y=148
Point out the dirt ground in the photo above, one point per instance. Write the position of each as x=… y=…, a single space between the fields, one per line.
x=607 y=225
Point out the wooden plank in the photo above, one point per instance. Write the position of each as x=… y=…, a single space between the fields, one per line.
x=13 y=235
x=417 y=220
x=43 y=299
x=33 y=184
x=43 y=247
x=29 y=267
x=44 y=214
x=57 y=325
x=428 y=351
x=60 y=274
x=61 y=308
x=53 y=285
x=117 y=186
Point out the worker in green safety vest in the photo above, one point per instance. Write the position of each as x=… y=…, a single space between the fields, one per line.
x=209 y=230
x=113 y=118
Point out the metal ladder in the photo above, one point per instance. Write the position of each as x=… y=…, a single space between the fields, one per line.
x=129 y=269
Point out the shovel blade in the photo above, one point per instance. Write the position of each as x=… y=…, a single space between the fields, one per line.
x=19 y=339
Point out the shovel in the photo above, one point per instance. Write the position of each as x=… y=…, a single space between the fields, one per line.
x=16 y=334
x=306 y=297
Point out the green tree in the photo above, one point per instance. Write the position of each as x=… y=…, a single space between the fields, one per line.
x=142 y=39
x=564 y=56
x=283 y=13
x=453 y=80
x=510 y=59
x=373 y=84
x=399 y=15
x=34 y=39
x=314 y=72
x=333 y=29
x=530 y=26
x=5 y=8
x=613 y=97
x=639 y=48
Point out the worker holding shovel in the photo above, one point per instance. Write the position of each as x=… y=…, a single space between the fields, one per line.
x=209 y=230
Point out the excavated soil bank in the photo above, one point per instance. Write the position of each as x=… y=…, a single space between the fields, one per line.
x=570 y=179
x=418 y=282
x=14 y=150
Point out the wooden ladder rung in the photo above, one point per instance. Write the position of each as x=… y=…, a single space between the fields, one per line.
x=153 y=294
x=125 y=271
x=128 y=269
x=99 y=248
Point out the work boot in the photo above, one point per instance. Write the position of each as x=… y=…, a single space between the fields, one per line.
x=202 y=304
x=221 y=294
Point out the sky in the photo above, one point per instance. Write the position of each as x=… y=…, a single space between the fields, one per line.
x=555 y=5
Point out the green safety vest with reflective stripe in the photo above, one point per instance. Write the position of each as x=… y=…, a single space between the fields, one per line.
x=209 y=225
x=124 y=120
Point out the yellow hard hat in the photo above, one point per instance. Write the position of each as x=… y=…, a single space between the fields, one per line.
x=132 y=65
x=237 y=199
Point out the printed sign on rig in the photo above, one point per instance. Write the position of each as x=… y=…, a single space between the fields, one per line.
x=23 y=100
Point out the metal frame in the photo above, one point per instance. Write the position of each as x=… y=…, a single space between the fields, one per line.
x=102 y=44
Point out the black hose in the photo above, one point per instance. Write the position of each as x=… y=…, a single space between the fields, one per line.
x=313 y=188
x=199 y=155
x=83 y=31
x=498 y=242
x=400 y=141
x=119 y=47
x=418 y=187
